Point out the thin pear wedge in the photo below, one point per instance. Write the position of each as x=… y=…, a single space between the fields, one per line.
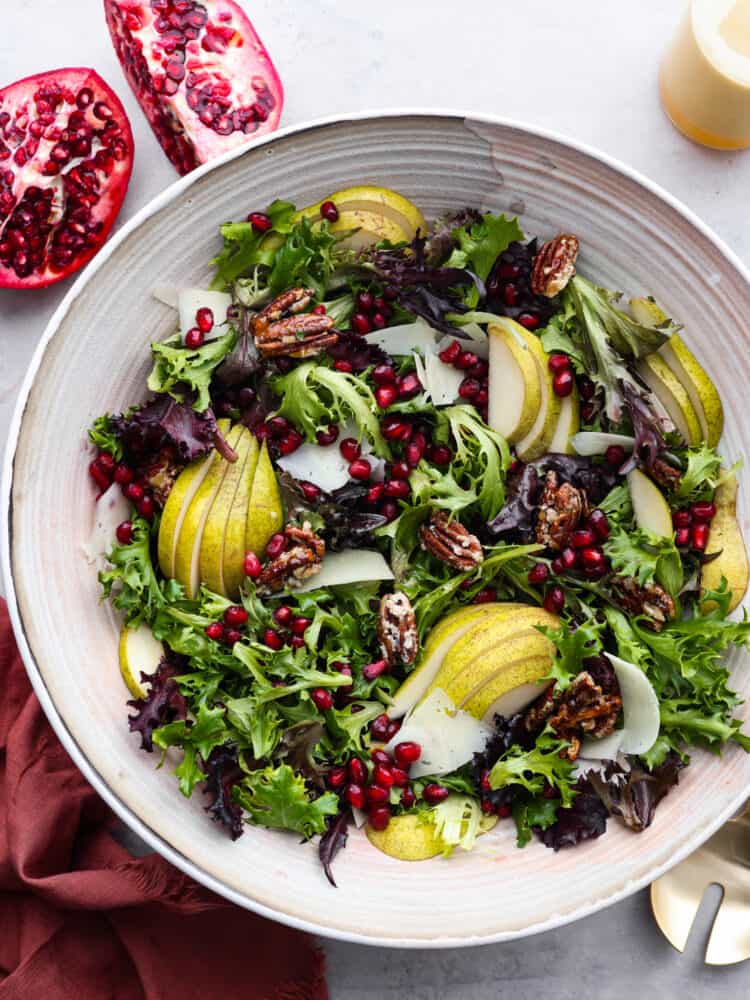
x=234 y=540
x=567 y=425
x=139 y=653
x=265 y=514
x=213 y=539
x=650 y=506
x=439 y=641
x=726 y=537
x=515 y=390
x=181 y=496
x=539 y=439
x=673 y=396
x=406 y=838
x=379 y=212
x=519 y=677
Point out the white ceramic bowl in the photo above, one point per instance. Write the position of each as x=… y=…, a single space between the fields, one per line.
x=94 y=357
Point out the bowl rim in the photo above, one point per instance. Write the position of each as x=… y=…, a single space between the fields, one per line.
x=130 y=818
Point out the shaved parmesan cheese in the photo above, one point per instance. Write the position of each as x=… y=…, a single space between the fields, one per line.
x=111 y=510
x=190 y=300
x=604 y=749
x=326 y=467
x=403 y=340
x=640 y=714
x=448 y=737
x=440 y=381
x=349 y=566
x=360 y=817
x=166 y=294
x=596 y=442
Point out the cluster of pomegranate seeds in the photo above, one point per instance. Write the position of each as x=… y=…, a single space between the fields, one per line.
x=227 y=631
x=200 y=73
x=692 y=526
x=372 y=312
x=509 y=288
x=384 y=729
x=371 y=788
x=474 y=388
x=563 y=379
x=66 y=155
x=105 y=471
x=282 y=437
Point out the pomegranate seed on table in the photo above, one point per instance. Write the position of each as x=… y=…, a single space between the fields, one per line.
x=407 y=753
x=310 y=491
x=361 y=324
x=379 y=728
x=469 y=388
x=385 y=396
x=204 y=318
x=389 y=510
x=486 y=596
x=100 y=477
x=350 y=449
x=569 y=559
x=123 y=475
x=379 y=756
x=381 y=775
x=328 y=436
x=434 y=793
x=615 y=455
x=599 y=524
x=319 y=309
x=408 y=798
x=272 y=639
x=682 y=537
x=581 y=538
x=554 y=600
x=384 y=375
x=372 y=670
x=322 y=699
x=538 y=574
x=360 y=469
x=276 y=545
x=124 y=532
x=365 y=301
x=400 y=470
x=450 y=353
x=283 y=615
x=397 y=489
x=215 y=631
x=355 y=796
x=252 y=566
x=379 y=818
x=235 y=615
x=300 y=625
x=342 y=365
x=681 y=518
x=357 y=771
x=558 y=363
x=337 y=777
x=217 y=89
x=409 y=386
x=329 y=211
x=563 y=383
x=375 y=493
x=232 y=636
x=377 y=795
x=699 y=536
x=703 y=511
x=260 y=222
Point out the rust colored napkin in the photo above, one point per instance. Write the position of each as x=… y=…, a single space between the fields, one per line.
x=80 y=919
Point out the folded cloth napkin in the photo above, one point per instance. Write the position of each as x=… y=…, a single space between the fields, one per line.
x=80 y=919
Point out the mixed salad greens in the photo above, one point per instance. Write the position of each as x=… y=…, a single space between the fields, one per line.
x=420 y=529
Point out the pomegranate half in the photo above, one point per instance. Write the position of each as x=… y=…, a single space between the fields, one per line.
x=200 y=73
x=66 y=155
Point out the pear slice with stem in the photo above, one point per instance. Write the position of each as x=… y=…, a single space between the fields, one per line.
x=673 y=396
x=265 y=514
x=515 y=391
x=650 y=507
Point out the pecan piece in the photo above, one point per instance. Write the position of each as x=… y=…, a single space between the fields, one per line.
x=301 y=560
x=651 y=600
x=282 y=329
x=397 y=629
x=554 y=265
x=561 y=509
x=664 y=474
x=161 y=473
x=450 y=542
x=583 y=709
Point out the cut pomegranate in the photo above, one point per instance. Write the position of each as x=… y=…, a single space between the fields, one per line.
x=201 y=74
x=64 y=170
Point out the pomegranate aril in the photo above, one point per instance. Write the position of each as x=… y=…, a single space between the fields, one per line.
x=413 y=453
x=252 y=566
x=450 y=353
x=373 y=670
x=538 y=574
x=469 y=388
x=558 y=363
x=337 y=777
x=381 y=775
x=204 y=319
x=357 y=771
x=379 y=818
x=310 y=491
x=231 y=636
x=283 y=615
x=408 y=798
x=329 y=211
x=395 y=428
x=554 y=600
x=215 y=631
x=300 y=625
x=328 y=436
x=342 y=365
x=599 y=524
x=529 y=321
x=350 y=449
x=389 y=510
x=485 y=596
x=235 y=615
x=408 y=386
x=407 y=753
x=581 y=538
x=319 y=309
x=569 y=559
x=123 y=475
x=433 y=793
x=682 y=537
x=272 y=639
x=361 y=324
x=400 y=470
x=146 y=507
x=124 y=532
x=439 y=454
x=699 y=536
x=355 y=796
x=563 y=383
x=703 y=511
x=278 y=427
x=375 y=493
x=615 y=455
x=510 y=295
x=106 y=462
x=397 y=489
x=557 y=566
x=134 y=492
x=400 y=777
x=260 y=222
x=194 y=338
x=276 y=545
x=360 y=469
x=379 y=756
x=681 y=518
x=393 y=728
x=592 y=558
x=480 y=370
x=290 y=442
x=365 y=301
x=503 y=812
x=99 y=476
x=379 y=728
x=378 y=320
x=386 y=395
x=322 y=699
x=466 y=360
x=377 y=795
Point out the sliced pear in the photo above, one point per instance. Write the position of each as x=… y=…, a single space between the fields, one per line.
x=510 y=702
x=439 y=641
x=234 y=540
x=699 y=387
x=139 y=653
x=673 y=396
x=188 y=551
x=406 y=838
x=181 y=496
x=567 y=425
x=265 y=514
x=515 y=686
x=726 y=537
x=483 y=649
x=515 y=389
x=539 y=439
x=379 y=213
x=596 y=442
x=223 y=516
x=650 y=507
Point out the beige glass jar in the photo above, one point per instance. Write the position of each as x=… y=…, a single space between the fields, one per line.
x=705 y=75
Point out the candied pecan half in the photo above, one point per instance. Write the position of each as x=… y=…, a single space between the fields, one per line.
x=664 y=474
x=583 y=709
x=397 y=629
x=282 y=329
x=161 y=472
x=561 y=509
x=301 y=560
x=651 y=600
x=554 y=265
x=450 y=542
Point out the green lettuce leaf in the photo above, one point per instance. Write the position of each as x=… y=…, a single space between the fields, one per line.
x=277 y=797
x=481 y=244
x=181 y=370
x=572 y=646
x=530 y=811
x=481 y=456
x=132 y=583
x=646 y=557
x=245 y=249
x=534 y=769
x=702 y=475
x=103 y=436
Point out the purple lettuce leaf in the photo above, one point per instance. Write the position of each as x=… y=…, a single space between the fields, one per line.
x=164 y=421
x=223 y=772
x=164 y=703
x=634 y=795
x=585 y=819
x=333 y=840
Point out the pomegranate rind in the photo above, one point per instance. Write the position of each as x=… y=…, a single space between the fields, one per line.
x=113 y=186
x=200 y=73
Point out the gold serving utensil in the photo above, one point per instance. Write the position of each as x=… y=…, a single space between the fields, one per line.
x=724 y=860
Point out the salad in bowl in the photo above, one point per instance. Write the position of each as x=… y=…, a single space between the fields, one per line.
x=420 y=530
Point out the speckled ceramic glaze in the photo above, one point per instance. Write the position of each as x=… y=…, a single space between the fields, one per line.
x=94 y=357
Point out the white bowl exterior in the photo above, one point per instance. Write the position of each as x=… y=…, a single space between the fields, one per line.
x=95 y=357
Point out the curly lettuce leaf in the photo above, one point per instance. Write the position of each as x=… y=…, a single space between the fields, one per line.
x=132 y=583
x=456 y=822
x=481 y=458
x=573 y=646
x=479 y=244
x=180 y=370
x=646 y=557
x=245 y=249
x=276 y=797
x=532 y=812
x=536 y=768
x=701 y=476
x=105 y=436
